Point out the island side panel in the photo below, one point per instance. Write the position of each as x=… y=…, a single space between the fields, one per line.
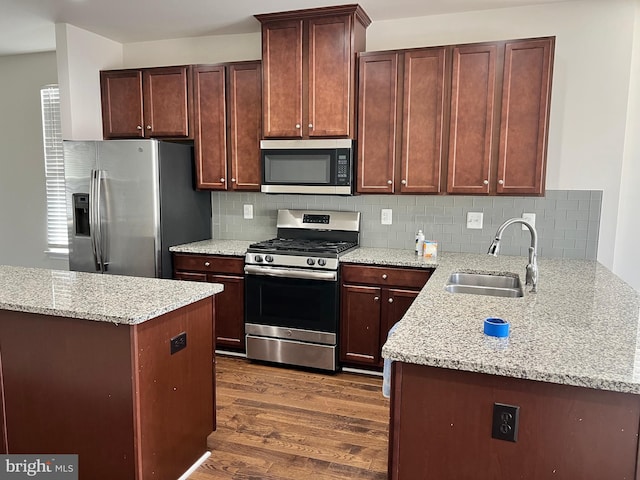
x=3 y=426
x=174 y=391
x=67 y=386
x=441 y=428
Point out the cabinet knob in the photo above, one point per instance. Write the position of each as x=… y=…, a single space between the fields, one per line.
x=389 y=182
x=297 y=125
x=375 y=299
x=139 y=127
x=391 y=300
x=404 y=182
x=311 y=125
x=206 y=264
x=384 y=276
x=233 y=180
x=486 y=182
x=148 y=127
x=222 y=180
x=501 y=182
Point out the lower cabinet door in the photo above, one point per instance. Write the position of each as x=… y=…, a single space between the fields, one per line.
x=229 y=312
x=395 y=303
x=360 y=325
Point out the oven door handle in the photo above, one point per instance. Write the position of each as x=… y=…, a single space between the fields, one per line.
x=291 y=273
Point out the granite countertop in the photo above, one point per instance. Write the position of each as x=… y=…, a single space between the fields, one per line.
x=90 y=296
x=580 y=328
x=235 y=248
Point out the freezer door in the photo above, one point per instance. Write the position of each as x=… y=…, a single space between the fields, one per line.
x=129 y=205
x=79 y=162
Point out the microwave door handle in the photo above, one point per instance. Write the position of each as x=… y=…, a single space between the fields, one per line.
x=93 y=219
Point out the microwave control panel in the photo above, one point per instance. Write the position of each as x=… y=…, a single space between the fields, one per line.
x=343 y=165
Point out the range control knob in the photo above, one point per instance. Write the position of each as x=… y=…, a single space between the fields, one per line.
x=258 y=258
x=322 y=262
x=268 y=258
x=310 y=261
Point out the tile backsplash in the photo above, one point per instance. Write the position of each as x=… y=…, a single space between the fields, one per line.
x=567 y=221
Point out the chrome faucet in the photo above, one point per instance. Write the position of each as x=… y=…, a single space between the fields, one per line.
x=531 y=277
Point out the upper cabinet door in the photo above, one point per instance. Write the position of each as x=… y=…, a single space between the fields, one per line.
x=166 y=103
x=210 y=142
x=245 y=119
x=473 y=86
x=422 y=126
x=282 y=87
x=331 y=77
x=122 y=112
x=378 y=101
x=526 y=94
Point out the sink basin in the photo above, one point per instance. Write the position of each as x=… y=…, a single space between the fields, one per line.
x=495 y=285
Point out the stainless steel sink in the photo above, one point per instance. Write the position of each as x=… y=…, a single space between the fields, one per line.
x=495 y=285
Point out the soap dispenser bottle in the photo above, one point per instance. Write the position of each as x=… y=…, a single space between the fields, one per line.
x=419 y=242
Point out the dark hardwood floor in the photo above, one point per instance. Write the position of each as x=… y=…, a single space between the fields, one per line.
x=284 y=424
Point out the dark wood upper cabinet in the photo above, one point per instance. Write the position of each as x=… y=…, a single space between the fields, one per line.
x=309 y=61
x=473 y=89
x=400 y=128
x=245 y=120
x=526 y=96
x=377 y=126
x=227 y=104
x=146 y=103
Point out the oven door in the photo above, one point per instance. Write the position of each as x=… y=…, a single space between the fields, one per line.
x=292 y=298
x=291 y=316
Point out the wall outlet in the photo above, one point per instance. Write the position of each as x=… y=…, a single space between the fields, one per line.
x=530 y=218
x=248 y=212
x=474 y=220
x=386 y=216
x=505 y=422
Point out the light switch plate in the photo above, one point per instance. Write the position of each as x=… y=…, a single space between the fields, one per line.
x=248 y=212
x=474 y=220
x=530 y=218
x=386 y=216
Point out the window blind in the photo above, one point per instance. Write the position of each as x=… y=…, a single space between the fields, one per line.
x=57 y=239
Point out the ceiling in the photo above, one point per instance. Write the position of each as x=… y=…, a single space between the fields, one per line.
x=29 y=25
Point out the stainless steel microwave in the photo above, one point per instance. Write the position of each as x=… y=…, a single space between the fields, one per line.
x=316 y=166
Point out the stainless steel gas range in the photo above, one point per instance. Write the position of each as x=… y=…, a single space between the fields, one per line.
x=292 y=305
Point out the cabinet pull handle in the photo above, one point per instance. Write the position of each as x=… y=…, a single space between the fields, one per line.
x=139 y=127
x=148 y=127
x=486 y=182
x=389 y=182
x=206 y=264
x=297 y=125
x=375 y=299
x=384 y=276
x=501 y=182
x=391 y=300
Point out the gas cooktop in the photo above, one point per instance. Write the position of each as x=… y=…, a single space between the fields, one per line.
x=296 y=246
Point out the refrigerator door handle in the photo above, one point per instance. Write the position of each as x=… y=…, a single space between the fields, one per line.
x=93 y=218
x=99 y=213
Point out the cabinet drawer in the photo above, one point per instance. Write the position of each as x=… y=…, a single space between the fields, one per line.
x=401 y=277
x=208 y=263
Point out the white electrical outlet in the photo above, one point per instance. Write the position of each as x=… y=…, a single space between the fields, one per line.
x=474 y=220
x=529 y=218
x=386 y=216
x=248 y=212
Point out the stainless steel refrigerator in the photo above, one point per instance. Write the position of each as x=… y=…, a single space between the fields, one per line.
x=128 y=201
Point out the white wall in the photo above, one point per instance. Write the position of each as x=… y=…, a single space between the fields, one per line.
x=81 y=55
x=627 y=254
x=23 y=214
x=210 y=49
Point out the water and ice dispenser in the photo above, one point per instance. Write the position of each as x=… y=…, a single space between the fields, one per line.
x=81 y=214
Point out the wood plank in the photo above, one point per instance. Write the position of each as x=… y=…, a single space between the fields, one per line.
x=278 y=423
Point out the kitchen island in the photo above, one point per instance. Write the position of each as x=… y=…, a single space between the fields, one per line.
x=570 y=362
x=118 y=370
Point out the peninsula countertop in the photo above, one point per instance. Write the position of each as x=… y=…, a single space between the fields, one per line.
x=107 y=298
x=580 y=328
